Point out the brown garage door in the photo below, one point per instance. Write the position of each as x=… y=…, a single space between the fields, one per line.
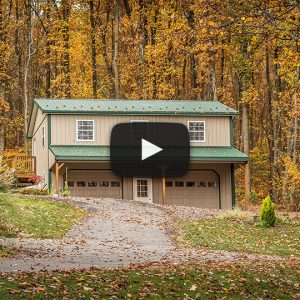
x=199 y=189
x=100 y=184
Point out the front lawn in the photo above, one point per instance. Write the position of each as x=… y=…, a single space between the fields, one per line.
x=37 y=218
x=241 y=235
x=226 y=280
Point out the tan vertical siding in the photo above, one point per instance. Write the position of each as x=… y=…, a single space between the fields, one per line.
x=128 y=188
x=217 y=129
x=157 y=190
x=41 y=152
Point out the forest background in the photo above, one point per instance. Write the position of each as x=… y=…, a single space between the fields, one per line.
x=245 y=54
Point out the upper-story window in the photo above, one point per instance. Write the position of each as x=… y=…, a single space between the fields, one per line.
x=85 y=130
x=43 y=136
x=139 y=129
x=196 y=131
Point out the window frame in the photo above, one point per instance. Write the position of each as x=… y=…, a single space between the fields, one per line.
x=77 y=124
x=137 y=121
x=204 y=131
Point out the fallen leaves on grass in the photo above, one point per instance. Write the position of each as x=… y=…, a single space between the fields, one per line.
x=241 y=236
x=244 y=279
x=37 y=218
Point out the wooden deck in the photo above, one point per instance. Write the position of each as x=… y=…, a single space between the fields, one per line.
x=25 y=166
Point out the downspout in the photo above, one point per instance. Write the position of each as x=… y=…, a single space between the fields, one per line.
x=49 y=144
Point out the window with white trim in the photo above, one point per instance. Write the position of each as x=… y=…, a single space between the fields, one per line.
x=43 y=136
x=85 y=130
x=139 y=129
x=196 y=131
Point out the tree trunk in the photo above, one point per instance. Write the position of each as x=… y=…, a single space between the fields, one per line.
x=213 y=71
x=26 y=72
x=2 y=140
x=295 y=134
x=48 y=44
x=245 y=132
x=270 y=135
x=104 y=45
x=222 y=64
x=143 y=43
x=93 y=40
x=116 y=49
x=296 y=118
x=153 y=43
x=66 y=55
x=275 y=124
x=127 y=8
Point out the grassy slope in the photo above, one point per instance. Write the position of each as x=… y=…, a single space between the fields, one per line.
x=36 y=218
x=242 y=280
x=241 y=236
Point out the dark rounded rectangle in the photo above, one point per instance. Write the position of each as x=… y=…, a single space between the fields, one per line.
x=126 y=149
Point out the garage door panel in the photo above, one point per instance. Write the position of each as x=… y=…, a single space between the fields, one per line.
x=90 y=183
x=92 y=193
x=199 y=189
x=81 y=192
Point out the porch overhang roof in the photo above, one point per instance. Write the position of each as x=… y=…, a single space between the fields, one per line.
x=102 y=153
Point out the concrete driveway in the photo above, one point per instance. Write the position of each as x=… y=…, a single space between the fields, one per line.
x=117 y=233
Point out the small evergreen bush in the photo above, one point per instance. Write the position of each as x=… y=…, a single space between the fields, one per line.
x=267 y=213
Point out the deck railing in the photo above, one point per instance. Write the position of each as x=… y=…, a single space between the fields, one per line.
x=25 y=166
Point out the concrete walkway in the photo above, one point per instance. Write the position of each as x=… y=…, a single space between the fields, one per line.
x=117 y=233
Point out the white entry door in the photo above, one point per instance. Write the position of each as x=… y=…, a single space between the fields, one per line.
x=142 y=189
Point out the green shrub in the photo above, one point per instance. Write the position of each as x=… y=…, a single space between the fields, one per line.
x=34 y=191
x=262 y=224
x=267 y=213
x=66 y=191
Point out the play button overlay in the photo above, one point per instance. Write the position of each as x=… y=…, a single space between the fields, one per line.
x=149 y=149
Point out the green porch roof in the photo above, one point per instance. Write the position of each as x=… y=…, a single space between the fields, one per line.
x=86 y=153
x=133 y=107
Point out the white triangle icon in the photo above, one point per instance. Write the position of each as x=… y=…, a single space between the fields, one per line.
x=149 y=149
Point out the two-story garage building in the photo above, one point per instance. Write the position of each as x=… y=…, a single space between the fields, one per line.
x=71 y=137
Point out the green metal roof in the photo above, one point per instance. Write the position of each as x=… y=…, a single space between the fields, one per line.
x=228 y=154
x=133 y=107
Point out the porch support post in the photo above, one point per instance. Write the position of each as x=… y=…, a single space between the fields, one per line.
x=163 y=182
x=58 y=166
x=163 y=168
x=247 y=184
x=56 y=177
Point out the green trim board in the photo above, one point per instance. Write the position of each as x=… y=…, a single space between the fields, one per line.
x=32 y=118
x=85 y=153
x=133 y=107
x=49 y=130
